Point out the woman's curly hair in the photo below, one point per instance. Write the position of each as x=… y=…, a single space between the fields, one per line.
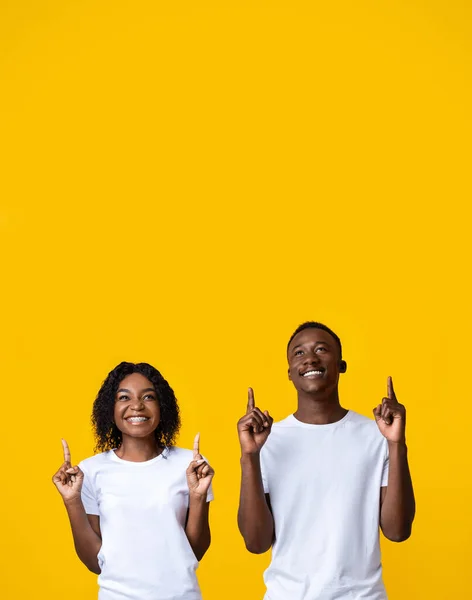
x=107 y=434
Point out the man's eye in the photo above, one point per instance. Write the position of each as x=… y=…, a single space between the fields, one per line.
x=298 y=352
x=321 y=348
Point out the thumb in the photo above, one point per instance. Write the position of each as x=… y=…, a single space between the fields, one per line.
x=79 y=474
x=378 y=412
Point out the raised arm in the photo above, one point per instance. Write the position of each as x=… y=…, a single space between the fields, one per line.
x=255 y=520
x=199 y=477
x=397 y=509
x=85 y=529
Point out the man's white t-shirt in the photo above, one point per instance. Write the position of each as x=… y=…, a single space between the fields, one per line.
x=324 y=485
x=145 y=554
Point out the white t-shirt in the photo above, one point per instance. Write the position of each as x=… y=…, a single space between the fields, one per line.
x=145 y=554
x=324 y=484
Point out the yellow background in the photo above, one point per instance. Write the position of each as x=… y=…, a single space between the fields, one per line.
x=184 y=183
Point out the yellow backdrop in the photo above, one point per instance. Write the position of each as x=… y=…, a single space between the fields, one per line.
x=183 y=183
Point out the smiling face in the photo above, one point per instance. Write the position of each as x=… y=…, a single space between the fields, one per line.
x=137 y=412
x=314 y=362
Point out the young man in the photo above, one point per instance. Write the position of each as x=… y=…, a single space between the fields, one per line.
x=317 y=485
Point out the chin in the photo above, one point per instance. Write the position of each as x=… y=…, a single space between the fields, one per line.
x=316 y=388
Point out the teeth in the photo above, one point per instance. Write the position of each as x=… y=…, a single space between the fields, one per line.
x=308 y=373
x=136 y=419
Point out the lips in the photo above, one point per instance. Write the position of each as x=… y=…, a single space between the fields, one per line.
x=136 y=420
x=313 y=373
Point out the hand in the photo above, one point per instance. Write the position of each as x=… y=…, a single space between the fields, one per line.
x=391 y=416
x=254 y=427
x=199 y=472
x=68 y=479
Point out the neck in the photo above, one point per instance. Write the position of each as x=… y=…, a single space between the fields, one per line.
x=138 y=449
x=319 y=409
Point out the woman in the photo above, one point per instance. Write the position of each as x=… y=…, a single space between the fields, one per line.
x=139 y=509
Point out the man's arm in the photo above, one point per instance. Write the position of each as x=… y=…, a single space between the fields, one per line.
x=255 y=520
x=397 y=500
x=397 y=509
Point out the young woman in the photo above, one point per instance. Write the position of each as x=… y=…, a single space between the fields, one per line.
x=139 y=509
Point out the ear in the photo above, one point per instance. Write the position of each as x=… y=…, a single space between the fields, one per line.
x=289 y=378
x=342 y=366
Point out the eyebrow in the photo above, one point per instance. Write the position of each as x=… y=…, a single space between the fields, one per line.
x=142 y=391
x=318 y=342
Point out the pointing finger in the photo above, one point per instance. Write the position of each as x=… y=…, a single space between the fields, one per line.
x=196 y=446
x=66 y=450
x=250 y=400
x=390 y=391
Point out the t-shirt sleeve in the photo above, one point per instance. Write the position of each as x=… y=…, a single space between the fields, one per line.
x=89 y=499
x=210 y=495
x=265 y=483
x=385 y=466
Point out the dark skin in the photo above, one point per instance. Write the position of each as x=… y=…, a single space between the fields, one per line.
x=314 y=368
x=137 y=415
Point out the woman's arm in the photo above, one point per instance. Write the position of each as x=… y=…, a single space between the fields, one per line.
x=199 y=477
x=198 y=527
x=85 y=528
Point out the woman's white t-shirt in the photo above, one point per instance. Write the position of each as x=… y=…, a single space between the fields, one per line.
x=324 y=485
x=145 y=553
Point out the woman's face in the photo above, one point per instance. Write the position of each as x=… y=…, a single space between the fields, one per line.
x=137 y=412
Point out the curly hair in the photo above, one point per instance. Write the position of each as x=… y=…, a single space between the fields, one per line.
x=107 y=434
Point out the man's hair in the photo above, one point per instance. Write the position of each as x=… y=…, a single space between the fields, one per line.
x=316 y=325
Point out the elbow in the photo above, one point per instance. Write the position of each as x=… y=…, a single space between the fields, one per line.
x=94 y=569
x=398 y=536
x=200 y=553
x=201 y=549
x=257 y=546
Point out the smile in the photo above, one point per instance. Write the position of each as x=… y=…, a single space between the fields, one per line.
x=136 y=420
x=313 y=373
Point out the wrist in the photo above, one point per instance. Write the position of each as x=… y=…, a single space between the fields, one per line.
x=250 y=457
x=397 y=446
x=196 y=498
x=73 y=503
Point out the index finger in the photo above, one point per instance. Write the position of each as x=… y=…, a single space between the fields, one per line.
x=196 y=446
x=390 y=390
x=250 y=400
x=65 y=447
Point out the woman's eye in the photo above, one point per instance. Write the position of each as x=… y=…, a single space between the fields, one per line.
x=149 y=397
x=123 y=397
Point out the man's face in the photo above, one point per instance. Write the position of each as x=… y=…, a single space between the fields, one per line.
x=314 y=361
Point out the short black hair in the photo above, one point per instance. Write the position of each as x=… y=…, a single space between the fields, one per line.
x=107 y=434
x=316 y=325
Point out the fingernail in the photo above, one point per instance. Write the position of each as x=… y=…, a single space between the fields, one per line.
x=199 y=462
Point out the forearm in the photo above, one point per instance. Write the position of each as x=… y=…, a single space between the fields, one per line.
x=255 y=520
x=197 y=528
x=87 y=543
x=398 y=506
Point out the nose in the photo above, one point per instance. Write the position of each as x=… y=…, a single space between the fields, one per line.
x=312 y=358
x=137 y=404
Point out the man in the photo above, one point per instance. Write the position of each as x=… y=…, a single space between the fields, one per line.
x=317 y=485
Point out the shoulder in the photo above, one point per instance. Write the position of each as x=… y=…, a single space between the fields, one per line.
x=362 y=427
x=95 y=462
x=288 y=423
x=361 y=421
x=178 y=455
